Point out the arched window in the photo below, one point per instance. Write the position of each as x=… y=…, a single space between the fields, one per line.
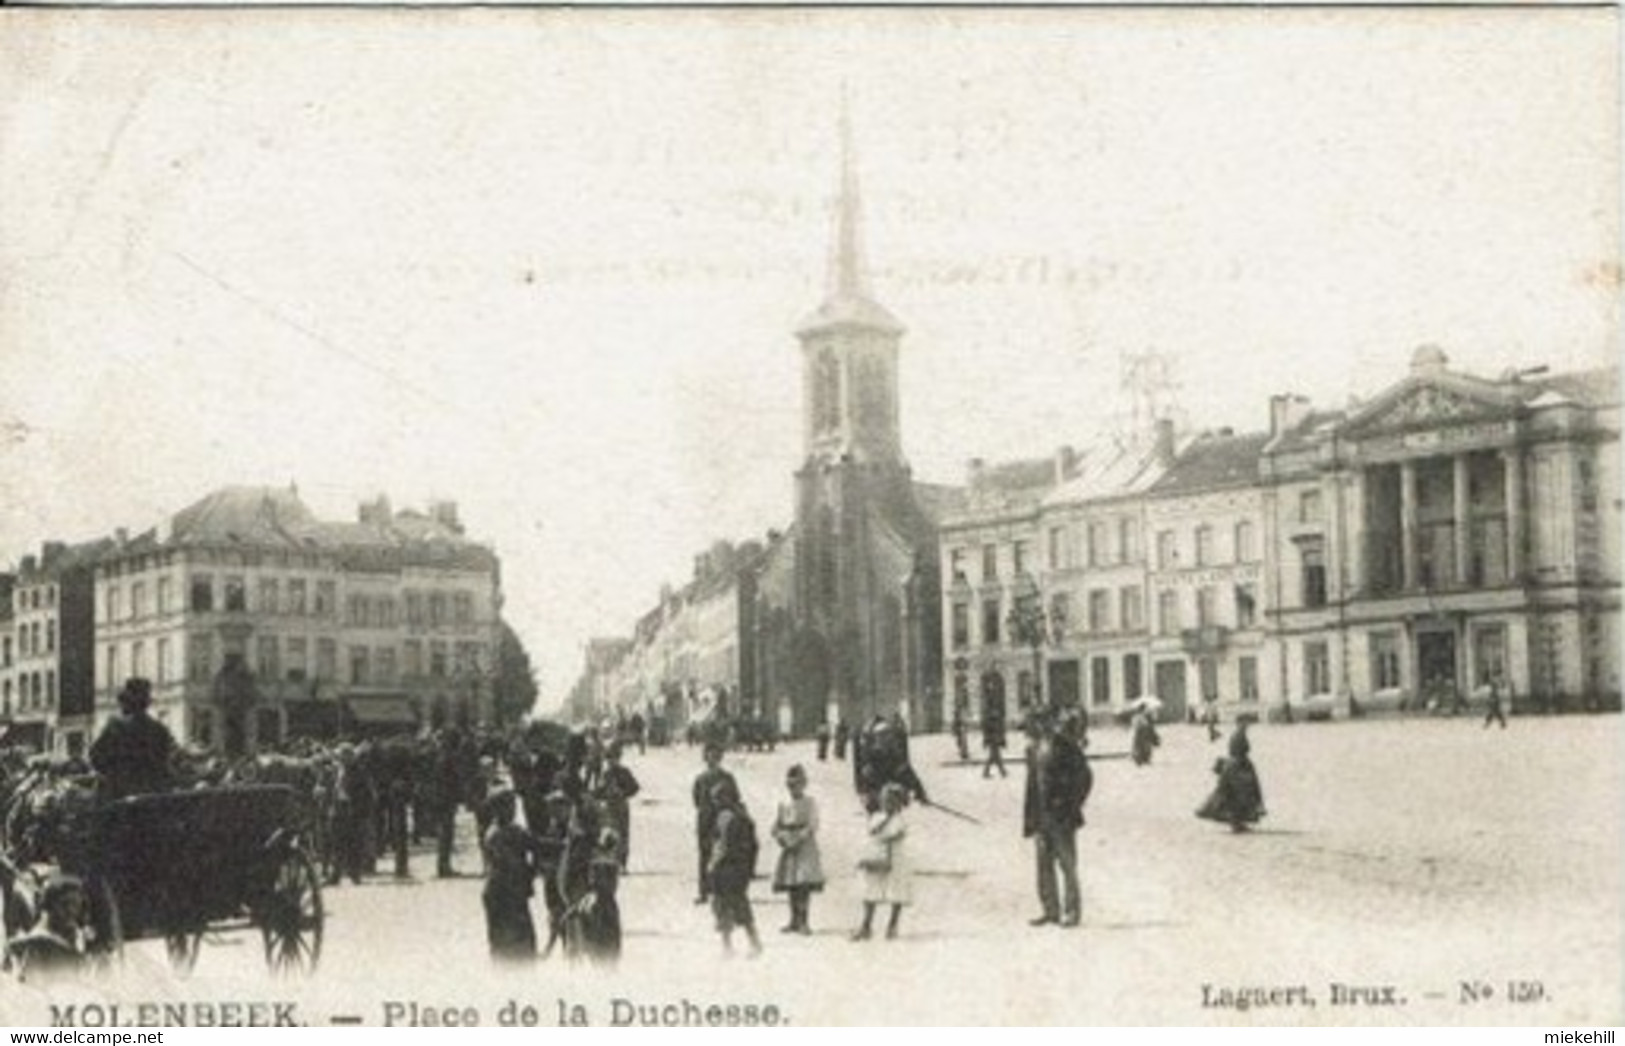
x=826 y=391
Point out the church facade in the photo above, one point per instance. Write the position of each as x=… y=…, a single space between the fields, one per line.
x=865 y=591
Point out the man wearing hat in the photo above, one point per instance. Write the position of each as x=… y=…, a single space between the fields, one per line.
x=706 y=810
x=1058 y=783
x=133 y=753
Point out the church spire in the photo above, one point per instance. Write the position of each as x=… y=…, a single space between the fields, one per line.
x=847 y=278
x=847 y=302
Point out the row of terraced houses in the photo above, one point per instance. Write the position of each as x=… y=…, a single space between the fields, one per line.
x=256 y=622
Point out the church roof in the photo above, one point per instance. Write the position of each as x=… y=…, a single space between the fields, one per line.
x=853 y=310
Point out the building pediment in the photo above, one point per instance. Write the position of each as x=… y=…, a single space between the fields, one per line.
x=1428 y=403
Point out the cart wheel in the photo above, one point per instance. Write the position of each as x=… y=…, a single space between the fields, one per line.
x=104 y=928
x=183 y=949
x=291 y=920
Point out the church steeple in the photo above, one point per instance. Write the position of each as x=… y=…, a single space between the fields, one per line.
x=847 y=300
x=847 y=278
x=849 y=345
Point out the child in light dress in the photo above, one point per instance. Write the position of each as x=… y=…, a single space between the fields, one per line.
x=887 y=875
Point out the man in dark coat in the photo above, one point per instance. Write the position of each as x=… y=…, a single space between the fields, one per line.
x=881 y=758
x=1058 y=783
x=705 y=812
x=133 y=753
x=993 y=734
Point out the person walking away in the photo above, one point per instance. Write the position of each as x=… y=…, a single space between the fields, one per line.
x=961 y=730
x=1496 y=713
x=1058 y=783
x=512 y=859
x=800 y=871
x=843 y=734
x=705 y=812
x=616 y=787
x=823 y=741
x=887 y=875
x=1238 y=799
x=1210 y=719
x=993 y=735
x=733 y=864
x=1145 y=739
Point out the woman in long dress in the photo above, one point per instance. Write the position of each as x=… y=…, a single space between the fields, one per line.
x=800 y=871
x=1238 y=799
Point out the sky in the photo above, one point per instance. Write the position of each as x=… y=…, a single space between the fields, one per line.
x=548 y=263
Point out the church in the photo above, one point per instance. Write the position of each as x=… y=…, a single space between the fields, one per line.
x=864 y=600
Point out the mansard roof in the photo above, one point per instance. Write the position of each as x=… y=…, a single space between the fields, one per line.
x=275 y=517
x=255 y=516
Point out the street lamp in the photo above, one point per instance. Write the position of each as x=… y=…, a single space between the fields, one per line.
x=1029 y=626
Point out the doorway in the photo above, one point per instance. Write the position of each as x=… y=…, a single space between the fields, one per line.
x=1436 y=670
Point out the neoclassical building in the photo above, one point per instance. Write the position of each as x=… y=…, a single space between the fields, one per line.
x=1450 y=531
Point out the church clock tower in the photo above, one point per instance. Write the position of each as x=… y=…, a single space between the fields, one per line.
x=849 y=349
x=865 y=552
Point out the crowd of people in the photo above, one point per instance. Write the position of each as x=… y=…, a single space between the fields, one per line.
x=552 y=812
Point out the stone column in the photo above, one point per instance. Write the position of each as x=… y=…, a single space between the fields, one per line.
x=1512 y=481
x=1407 y=521
x=1355 y=525
x=1461 y=528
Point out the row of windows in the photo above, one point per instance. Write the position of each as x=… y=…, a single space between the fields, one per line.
x=1108 y=610
x=32 y=641
x=1100 y=680
x=295 y=658
x=33 y=691
x=1243 y=602
x=34 y=597
x=1105 y=543
x=1113 y=543
x=1205 y=550
x=295 y=597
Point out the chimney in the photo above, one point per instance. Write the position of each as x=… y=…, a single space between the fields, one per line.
x=120 y=534
x=1287 y=412
x=1165 y=440
x=974 y=470
x=1066 y=461
x=445 y=513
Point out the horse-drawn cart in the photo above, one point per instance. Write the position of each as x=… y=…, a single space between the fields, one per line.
x=179 y=865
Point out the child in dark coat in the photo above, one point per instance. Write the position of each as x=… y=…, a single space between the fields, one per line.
x=733 y=863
